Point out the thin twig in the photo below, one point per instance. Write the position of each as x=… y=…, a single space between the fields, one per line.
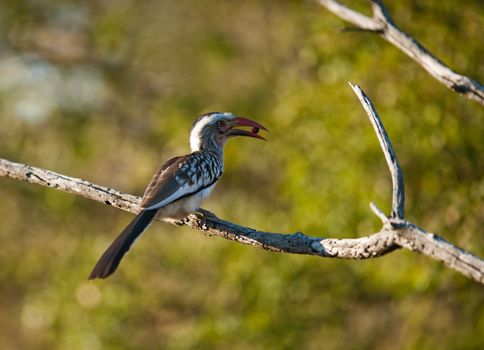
x=398 y=199
x=378 y=213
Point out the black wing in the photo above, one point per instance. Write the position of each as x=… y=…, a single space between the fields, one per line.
x=184 y=176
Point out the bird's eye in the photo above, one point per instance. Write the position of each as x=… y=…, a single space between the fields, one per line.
x=221 y=123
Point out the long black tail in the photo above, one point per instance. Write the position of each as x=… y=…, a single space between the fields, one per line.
x=111 y=258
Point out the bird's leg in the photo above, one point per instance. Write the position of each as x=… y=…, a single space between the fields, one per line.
x=199 y=214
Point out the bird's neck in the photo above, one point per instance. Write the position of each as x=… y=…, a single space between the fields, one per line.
x=207 y=145
x=218 y=153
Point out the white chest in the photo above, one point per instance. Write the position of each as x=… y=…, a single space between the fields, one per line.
x=181 y=208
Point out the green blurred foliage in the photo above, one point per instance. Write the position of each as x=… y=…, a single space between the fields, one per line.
x=107 y=90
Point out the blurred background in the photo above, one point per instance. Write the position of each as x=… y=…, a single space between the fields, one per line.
x=107 y=90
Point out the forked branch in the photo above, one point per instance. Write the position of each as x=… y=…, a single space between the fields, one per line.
x=382 y=24
x=395 y=233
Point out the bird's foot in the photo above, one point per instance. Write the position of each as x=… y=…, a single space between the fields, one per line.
x=178 y=222
x=205 y=213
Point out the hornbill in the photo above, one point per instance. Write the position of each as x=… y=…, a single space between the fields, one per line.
x=182 y=183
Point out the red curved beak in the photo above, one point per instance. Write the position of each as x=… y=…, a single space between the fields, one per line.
x=254 y=132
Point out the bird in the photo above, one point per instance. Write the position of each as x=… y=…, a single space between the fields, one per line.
x=182 y=183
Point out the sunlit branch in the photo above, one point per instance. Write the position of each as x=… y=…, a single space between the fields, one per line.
x=382 y=24
x=398 y=202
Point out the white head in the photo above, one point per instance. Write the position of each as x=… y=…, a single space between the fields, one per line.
x=212 y=130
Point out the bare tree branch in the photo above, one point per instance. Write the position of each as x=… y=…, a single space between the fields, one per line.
x=398 y=201
x=383 y=24
x=395 y=233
